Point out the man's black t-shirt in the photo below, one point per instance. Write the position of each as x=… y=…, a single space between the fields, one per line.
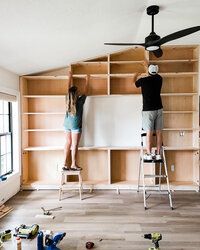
x=151 y=87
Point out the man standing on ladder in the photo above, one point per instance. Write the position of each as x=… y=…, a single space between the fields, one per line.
x=152 y=112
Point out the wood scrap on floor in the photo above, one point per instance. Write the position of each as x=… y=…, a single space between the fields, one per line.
x=4 y=210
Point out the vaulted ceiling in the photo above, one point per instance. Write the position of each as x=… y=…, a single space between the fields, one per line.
x=38 y=35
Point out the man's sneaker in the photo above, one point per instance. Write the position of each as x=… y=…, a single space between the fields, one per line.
x=158 y=157
x=147 y=157
x=153 y=156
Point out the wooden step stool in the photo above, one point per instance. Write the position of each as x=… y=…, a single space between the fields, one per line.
x=64 y=185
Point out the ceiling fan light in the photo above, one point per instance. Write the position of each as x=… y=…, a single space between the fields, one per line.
x=152 y=48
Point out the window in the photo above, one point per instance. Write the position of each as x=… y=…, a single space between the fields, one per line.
x=6 y=146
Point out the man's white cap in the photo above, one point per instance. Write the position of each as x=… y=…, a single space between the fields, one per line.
x=153 y=69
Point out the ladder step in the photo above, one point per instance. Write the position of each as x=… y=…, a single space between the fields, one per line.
x=157 y=192
x=154 y=175
x=152 y=161
x=150 y=186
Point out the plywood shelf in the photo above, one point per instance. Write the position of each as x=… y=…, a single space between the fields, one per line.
x=44 y=113
x=180 y=112
x=181 y=148
x=104 y=76
x=124 y=75
x=44 y=130
x=174 y=61
x=64 y=77
x=178 y=74
x=52 y=148
x=58 y=148
x=44 y=148
x=127 y=62
x=180 y=129
x=44 y=96
x=179 y=94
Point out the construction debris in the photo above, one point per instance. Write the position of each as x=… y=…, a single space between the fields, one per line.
x=4 y=210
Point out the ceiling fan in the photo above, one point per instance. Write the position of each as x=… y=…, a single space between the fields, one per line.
x=153 y=42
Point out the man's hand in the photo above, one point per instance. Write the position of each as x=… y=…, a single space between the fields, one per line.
x=146 y=64
x=135 y=77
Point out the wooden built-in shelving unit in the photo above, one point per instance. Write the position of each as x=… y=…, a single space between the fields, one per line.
x=43 y=109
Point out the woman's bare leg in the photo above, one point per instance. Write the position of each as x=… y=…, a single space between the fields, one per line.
x=75 y=142
x=67 y=147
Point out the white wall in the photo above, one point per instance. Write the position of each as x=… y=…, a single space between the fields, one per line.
x=9 y=83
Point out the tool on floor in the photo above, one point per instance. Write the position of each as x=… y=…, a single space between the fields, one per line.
x=89 y=245
x=162 y=174
x=155 y=237
x=26 y=232
x=50 y=240
x=48 y=212
x=6 y=235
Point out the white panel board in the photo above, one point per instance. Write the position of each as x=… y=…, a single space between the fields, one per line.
x=112 y=121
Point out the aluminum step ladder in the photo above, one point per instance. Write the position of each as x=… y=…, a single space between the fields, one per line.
x=156 y=188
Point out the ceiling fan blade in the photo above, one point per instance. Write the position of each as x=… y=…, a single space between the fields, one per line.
x=125 y=44
x=176 y=35
x=158 y=53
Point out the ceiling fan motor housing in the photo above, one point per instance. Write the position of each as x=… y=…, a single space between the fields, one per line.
x=152 y=38
x=152 y=10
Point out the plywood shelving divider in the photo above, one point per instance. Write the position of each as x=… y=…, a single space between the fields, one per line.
x=43 y=109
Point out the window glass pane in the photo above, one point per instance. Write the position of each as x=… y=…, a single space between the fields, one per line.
x=8 y=143
x=8 y=163
x=1 y=107
x=6 y=123
x=3 y=145
x=1 y=123
x=5 y=108
x=3 y=165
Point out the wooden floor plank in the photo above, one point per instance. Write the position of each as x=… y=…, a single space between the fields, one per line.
x=110 y=220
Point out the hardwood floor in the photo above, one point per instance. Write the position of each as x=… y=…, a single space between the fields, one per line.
x=110 y=220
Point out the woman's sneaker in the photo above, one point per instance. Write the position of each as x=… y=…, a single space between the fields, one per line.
x=147 y=157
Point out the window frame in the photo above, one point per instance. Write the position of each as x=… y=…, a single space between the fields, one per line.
x=10 y=128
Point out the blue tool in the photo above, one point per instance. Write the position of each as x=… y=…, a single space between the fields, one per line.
x=50 y=241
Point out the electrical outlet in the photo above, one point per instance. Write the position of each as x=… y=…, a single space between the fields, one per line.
x=181 y=133
x=172 y=168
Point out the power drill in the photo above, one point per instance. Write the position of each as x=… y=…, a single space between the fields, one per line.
x=6 y=235
x=155 y=237
x=50 y=240
x=26 y=232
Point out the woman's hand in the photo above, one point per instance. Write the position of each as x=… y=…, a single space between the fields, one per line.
x=70 y=75
x=87 y=77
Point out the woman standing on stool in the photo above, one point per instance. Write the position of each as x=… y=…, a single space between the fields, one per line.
x=73 y=122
